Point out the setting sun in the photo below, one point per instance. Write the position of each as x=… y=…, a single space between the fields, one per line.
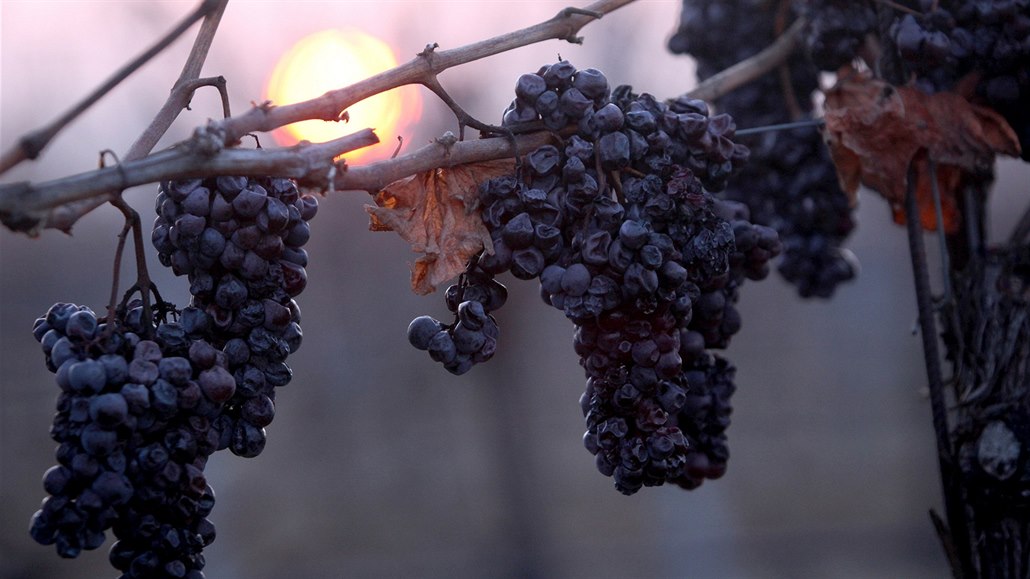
x=333 y=59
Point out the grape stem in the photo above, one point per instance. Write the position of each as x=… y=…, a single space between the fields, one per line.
x=142 y=274
x=118 y=251
x=32 y=144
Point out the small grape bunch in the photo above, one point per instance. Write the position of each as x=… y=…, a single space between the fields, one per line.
x=472 y=337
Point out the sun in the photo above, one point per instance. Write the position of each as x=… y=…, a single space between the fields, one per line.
x=333 y=59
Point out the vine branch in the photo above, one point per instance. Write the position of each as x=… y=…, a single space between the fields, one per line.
x=952 y=485
x=752 y=68
x=195 y=158
x=375 y=176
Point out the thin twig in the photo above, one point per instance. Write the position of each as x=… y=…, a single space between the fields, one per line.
x=947 y=541
x=182 y=93
x=32 y=144
x=754 y=67
x=464 y=119
x=972 y=208
x=218 y=82
x=953 y=502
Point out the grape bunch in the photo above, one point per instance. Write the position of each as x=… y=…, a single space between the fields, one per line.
x=145 y=401
x=949 y=39
x=240 y=243
x=836 y=30
x=529 y=223
x=472 y=337
x=619 y=226
x=936 y=44
x=789 y=183
x=137 y=419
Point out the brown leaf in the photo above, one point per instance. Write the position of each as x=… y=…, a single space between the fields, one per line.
x=875 y=130
x=438 y=213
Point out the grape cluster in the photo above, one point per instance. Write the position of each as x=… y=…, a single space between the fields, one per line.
x=145 y=401
x=240 y=242
x=950 y=39
x=472 y=337
x=136 y=421
x=789 y=183
x=836 y=30
x=530 y=219
x=937 y=44
x=620 y=228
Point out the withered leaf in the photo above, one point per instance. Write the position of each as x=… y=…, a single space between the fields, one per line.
x=438 y=213
x=875 y=130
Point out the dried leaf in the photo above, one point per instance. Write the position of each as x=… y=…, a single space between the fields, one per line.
x=438 y=213
x=875 y=130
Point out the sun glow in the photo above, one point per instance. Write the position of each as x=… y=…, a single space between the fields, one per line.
x=333 y=59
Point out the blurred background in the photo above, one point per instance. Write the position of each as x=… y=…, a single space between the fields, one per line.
x=380 y=463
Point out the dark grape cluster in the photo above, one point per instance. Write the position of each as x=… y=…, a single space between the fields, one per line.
x=137 y=419
x=935 y=44
x=836 y=30
x=240 y=242
x=530 y=218
x=472 y=337
x=145 y=401
x=949 y=39
x=789 y=183
x=620 y=228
